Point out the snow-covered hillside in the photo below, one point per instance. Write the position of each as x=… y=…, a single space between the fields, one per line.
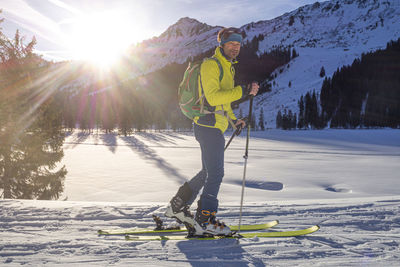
x=329 y=34
x=364 y=25
x=303 y=75
x=344 y=180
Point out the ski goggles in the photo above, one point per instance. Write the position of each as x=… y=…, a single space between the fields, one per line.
x=231 y=34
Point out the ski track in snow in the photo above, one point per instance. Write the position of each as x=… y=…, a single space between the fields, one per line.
x=365 y=232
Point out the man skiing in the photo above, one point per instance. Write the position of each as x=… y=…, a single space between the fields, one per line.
x=208 y=131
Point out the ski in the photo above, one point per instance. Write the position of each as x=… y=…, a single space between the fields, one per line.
x=250 y=227
x=235 y=236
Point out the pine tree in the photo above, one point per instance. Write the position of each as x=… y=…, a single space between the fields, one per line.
x=294 y=121
x=301 y=122
x=261 y=120
x=291 y=20
x=314 y=111
x=286 y=119
x=365 y=93
x=308 y=110
x=279 y=120
x=322 y=72
x=68 y=116
x=290 y=120
x=294 y=53
x=31 y=124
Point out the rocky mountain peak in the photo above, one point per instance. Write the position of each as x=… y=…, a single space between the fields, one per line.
x=185 y=27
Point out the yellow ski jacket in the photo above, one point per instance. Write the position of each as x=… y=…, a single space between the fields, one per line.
x=218 y=94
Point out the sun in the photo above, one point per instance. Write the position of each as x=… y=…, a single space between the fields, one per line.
x=100 y=38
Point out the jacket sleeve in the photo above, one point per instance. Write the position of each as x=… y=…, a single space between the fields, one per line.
x=209 y=80
x=232 y=115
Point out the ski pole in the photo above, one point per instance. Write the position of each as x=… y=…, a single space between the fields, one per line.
x=245 y=159
x=235 y=133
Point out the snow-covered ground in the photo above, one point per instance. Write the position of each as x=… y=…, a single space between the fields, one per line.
x=347 y=181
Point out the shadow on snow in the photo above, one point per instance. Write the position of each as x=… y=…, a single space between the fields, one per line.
x=151 y=155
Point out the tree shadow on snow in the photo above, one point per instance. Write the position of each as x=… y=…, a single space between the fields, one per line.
x=179 y=135
x=225 y=252
x=75 y=139
x=110 y=140
x=150 y=155
x=158 y=138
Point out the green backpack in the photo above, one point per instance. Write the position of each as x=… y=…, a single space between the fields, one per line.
x=188 y=91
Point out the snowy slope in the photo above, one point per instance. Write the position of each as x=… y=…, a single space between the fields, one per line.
x=303 y=75
x=345 y=181
x=363 y=25
x=329 y=34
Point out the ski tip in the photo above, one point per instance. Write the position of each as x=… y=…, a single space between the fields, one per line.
x=102 y=232
x=314 y=228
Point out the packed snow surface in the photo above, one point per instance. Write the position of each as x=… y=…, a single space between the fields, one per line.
x=346 y=181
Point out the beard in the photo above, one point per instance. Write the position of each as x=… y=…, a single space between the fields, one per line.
x=233 y=54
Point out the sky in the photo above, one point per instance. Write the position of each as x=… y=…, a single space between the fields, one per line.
x=73 y=29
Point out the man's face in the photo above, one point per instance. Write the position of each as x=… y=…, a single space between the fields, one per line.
x=231 y=49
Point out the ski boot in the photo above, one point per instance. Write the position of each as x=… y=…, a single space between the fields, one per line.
x=206 y=224
x=160 y=226
x=177 y=207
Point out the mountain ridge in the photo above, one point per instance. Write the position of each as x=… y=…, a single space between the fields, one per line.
x=329 y=34
x=307 y=26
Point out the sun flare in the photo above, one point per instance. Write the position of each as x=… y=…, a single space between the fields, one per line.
x=100 y=38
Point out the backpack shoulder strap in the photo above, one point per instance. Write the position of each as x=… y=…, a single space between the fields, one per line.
x=221 y=70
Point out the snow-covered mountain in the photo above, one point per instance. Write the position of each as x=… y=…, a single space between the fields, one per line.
x=186 y=38
x=329 y=34
x=333 y=24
